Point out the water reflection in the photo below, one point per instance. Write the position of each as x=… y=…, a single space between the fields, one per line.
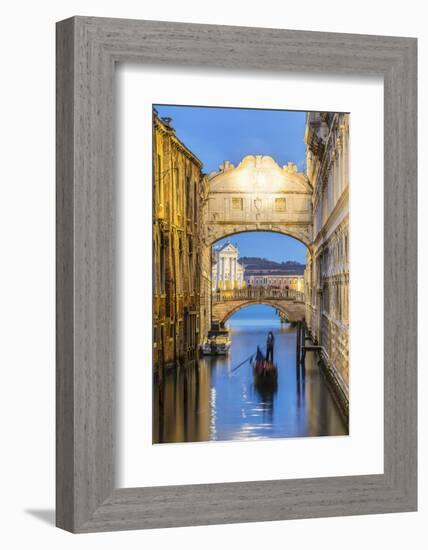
x=211 y=401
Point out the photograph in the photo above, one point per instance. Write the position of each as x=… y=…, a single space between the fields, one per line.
x=250 y=274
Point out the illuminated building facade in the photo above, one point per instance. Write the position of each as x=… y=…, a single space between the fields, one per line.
x=292 y=282
x=227 y=272
x=176 y=263
x=327 y=266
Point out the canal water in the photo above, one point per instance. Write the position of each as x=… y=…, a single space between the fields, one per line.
x=215 y=401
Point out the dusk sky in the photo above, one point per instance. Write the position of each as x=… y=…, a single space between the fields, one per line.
x=272 y=246
x=218 y=134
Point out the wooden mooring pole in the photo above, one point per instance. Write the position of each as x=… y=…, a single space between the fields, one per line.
x=303 y=349
x=298 y=346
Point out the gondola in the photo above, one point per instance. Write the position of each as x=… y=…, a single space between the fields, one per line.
x=265 y=372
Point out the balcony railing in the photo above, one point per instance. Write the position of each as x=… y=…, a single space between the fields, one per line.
x=257 y=293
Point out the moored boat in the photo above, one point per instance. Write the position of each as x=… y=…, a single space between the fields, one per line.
x=217 y=343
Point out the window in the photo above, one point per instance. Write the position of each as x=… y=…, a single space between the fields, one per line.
x=176 y=185
x=237 y=203
x=189 y=198
x=326 y=299
x=159 y=178
x=181 y=274
x=279 y=205
x=339 y=301
x=191 y=264
x=162 y=265
x=195 y=203
x=324 y=207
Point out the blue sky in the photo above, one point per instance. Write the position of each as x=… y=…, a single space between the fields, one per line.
x=218 y=134
x=272 y=246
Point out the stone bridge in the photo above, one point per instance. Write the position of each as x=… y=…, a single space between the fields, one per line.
x=289 y=303
x=257 y=195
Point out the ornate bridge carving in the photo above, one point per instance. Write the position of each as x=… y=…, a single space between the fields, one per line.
x=257 y=195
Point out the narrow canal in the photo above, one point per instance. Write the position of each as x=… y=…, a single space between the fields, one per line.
x=212 y=401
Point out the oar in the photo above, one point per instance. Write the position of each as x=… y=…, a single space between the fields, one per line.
x=243 y=362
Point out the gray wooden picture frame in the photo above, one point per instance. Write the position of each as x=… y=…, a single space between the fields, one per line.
x=87 y=50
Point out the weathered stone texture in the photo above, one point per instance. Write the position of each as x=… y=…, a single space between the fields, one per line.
x=178 y=268
x=327 y=268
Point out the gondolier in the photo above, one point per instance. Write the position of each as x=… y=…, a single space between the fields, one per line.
x=269 y=346
x=259 y=355
x=265 y=372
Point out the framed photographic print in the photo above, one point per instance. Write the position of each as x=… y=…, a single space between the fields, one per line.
x=236 y=274
x=236 y=321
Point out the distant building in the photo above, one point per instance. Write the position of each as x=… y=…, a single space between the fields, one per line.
x=292 y=282
x=227 y=271
x=284 y=275
x=257 y=266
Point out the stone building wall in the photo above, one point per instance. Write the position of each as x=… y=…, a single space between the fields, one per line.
x=177 y=262
x=327 y=266
x=205 y=306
